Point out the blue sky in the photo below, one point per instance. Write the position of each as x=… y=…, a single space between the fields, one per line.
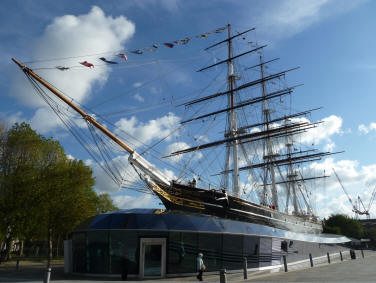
x=331 y=40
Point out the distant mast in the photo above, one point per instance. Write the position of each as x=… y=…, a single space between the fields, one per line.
x=232 y=127
x=268 y=153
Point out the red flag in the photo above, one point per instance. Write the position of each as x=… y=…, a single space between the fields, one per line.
x=87 y=64
x=122 y=55
x=169 y=44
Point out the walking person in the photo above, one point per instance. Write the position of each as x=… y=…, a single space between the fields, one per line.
x=200 y=266
x=124 y=267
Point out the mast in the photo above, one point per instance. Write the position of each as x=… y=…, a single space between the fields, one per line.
x=134 y=158
x=232 y=113
x=268 y=146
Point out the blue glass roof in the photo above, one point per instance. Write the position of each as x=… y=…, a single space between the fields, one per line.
x=157 y=220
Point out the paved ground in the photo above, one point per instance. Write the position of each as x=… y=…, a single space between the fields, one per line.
x=359 y=270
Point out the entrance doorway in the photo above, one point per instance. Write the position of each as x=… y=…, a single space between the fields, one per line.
x=152 y=257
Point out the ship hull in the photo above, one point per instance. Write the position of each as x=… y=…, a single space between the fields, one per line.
x=184 y=198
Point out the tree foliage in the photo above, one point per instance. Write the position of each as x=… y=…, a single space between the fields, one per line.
x=104 y=203
x=43 y=194
x=344 y=225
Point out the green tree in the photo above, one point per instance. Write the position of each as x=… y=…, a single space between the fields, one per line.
x=104 y=204
x=20 y=163
x=342 y=224
x=43 y=194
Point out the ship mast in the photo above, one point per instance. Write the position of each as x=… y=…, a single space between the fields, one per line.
x=232 y=120
x=269 y=130
x=268 y=153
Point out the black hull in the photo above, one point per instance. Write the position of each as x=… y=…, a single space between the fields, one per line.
x=210 y=202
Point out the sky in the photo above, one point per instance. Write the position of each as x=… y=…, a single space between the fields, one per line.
x=332 y=41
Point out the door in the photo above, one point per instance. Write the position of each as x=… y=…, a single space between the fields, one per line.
x=152 y=257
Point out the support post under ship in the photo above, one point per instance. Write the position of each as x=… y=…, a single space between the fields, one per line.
x=277 y=164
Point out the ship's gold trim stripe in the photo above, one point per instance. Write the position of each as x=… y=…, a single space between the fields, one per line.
x=178 y=200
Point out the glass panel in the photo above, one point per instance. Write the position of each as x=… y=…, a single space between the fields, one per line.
x=121 y=243
x=210 y=245
x=153 y=260
x=232 y=251
x=97 y=252
x=265 y=251
x=175 y=253
x=251 y=251
x=78 y=247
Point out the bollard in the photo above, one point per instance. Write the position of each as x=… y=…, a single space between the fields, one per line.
x=222 y=276
x=362 y=253
x=245 y=268
x=340 y=254
x=352 y=254
x=18 y=265
x=311 y=260
x=328 y=257
x=48 y=275
x=285 y=263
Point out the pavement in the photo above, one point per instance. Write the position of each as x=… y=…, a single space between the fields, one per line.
x=359 y=270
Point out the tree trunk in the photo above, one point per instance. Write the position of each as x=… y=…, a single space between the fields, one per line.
x=49 y=256
x=21 y=248
x=57 y=245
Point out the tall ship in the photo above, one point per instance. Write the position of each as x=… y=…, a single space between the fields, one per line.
x=247 y=156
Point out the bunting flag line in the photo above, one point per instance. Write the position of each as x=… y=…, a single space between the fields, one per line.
x=122 y=55
x=185 y=41
x=152 y=48
x=170 y=45
x=138 y=51
x=107 y=61
x=61 y=68
x=87 y=64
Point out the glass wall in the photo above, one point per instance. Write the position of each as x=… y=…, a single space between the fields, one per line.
x=210 y=245
x=232 y=251
x=265 y=253
x=102 y=251
x=251 y=250
x=97 y=252
x=123 y=242
x=181 y=252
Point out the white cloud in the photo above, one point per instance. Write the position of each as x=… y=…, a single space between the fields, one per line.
x=282 y=19
x=294 y=15
x=70 y=36
x=329 y=146
x=138 y=97
x=325 y=129
x=357 y=180
x=105 y=184
x=169 y=174
x=128 y=202
x=45 y=120
x=363 y=129
x=137 y=84
x=176 y=146
x=146 y=132
x=11 y=119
